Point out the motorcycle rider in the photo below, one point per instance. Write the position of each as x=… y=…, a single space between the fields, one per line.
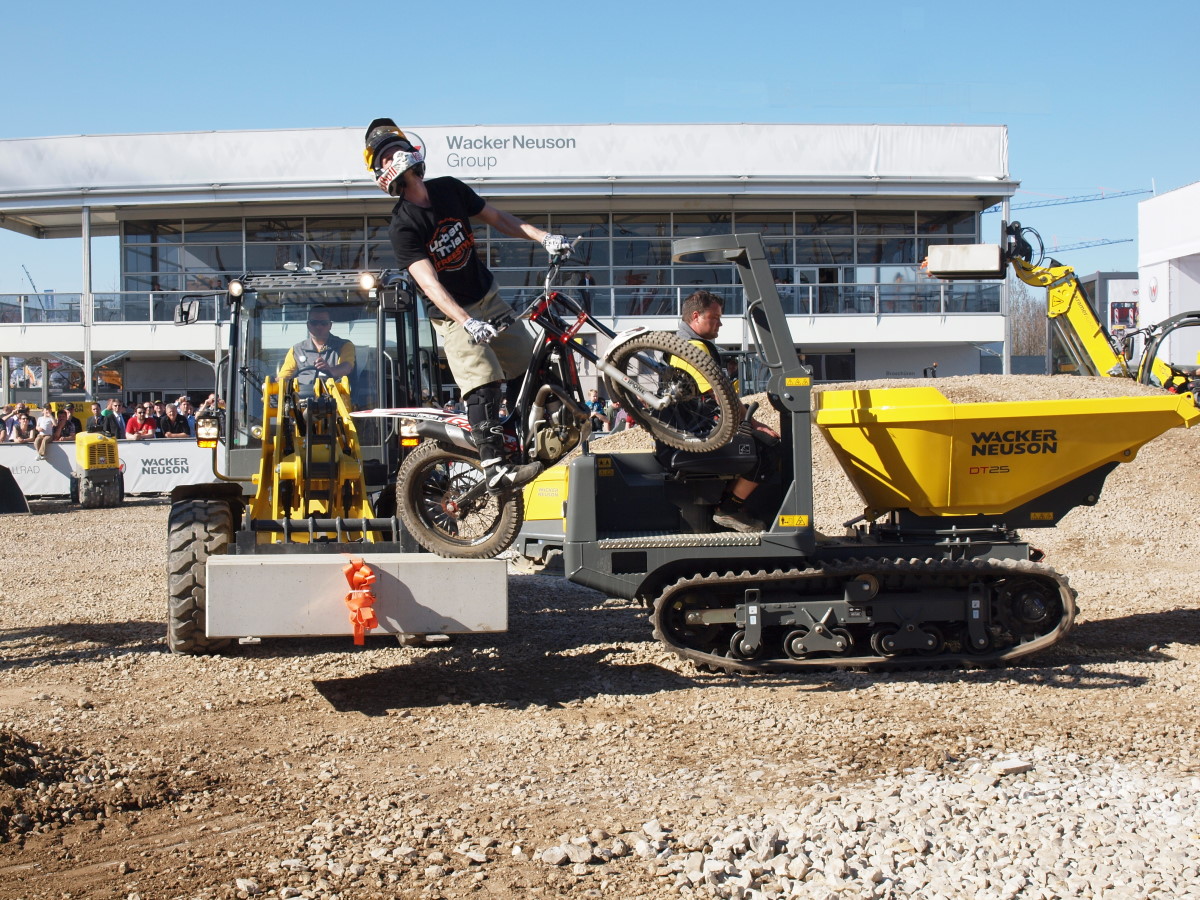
x=432 y=237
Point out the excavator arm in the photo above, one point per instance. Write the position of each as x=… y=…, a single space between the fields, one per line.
x=1079 y=330
x=1074 y=321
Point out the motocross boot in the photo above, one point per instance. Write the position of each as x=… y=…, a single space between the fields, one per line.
x=487 y=431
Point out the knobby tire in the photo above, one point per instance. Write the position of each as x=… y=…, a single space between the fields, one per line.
x=429 y=486
x=692 y=422
x=196 y=530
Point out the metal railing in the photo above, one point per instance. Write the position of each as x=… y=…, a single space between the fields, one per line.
x=936 y=298
x=133 y=307
x=44 y=309
x=157 y=306
x=933 y=299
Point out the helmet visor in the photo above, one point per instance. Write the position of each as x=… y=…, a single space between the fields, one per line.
x=382 y=142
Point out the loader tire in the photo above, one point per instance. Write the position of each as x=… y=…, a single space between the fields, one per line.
x=694 y=419
x=441 y=504
x=196 y=530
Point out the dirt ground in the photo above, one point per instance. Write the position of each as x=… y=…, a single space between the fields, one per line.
x=314 y=768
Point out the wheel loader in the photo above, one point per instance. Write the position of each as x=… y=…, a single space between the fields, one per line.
x=299 y=537
x=935 y=571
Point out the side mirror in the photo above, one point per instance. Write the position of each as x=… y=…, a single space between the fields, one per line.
x=187 y=311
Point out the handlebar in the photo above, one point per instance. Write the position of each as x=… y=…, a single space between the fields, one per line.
x=556 y=261
x=550 y=282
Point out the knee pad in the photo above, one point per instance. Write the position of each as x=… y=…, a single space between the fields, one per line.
x=483 y=404
x=483 y=412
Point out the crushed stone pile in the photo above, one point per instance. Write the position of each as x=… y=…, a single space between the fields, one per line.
x=44 y=787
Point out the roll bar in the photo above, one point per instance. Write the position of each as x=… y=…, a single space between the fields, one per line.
x=764 y=310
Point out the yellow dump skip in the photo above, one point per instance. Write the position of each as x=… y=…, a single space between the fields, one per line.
x=912 y=448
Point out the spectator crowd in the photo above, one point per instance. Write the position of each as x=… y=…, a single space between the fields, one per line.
x=151 y=420
x=608 y=417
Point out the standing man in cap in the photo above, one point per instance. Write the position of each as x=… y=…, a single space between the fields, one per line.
x=432 y=238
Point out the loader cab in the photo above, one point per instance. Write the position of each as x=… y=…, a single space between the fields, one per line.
x=395 y=356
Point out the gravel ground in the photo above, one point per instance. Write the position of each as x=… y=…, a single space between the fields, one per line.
x=574 y=756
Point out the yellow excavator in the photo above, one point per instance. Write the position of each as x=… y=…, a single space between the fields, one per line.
x=1092 y=349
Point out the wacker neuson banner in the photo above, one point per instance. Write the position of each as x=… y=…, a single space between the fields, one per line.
x=150 y=467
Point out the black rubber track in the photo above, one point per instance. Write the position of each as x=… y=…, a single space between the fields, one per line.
x=910 y=574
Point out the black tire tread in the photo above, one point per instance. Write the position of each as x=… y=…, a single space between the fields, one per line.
x=408 y=486
x=729 y=409
x=196 y=530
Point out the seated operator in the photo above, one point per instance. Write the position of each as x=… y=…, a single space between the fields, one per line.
x=320 y=355
x=700 y=322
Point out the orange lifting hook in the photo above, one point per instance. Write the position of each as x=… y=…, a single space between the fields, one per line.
x=360 y=599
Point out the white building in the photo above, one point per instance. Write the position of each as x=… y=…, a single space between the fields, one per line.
x=846 y=211
x=1169 y=266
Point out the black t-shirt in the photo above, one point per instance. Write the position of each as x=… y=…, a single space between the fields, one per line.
x=179 y=426
x=442 y=234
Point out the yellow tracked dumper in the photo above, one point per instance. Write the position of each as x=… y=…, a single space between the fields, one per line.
x=934 y=572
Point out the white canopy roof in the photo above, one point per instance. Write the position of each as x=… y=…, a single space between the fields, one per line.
x=45 y=183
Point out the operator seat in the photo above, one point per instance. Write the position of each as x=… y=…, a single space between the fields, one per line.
x=737 y=457
x=695 y=482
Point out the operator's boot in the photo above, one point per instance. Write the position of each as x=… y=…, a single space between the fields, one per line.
x=731 y=515
x=502 y=476
x=483 y=412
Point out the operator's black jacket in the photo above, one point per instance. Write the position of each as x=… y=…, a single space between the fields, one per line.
x=746 y=454
x=103 y=424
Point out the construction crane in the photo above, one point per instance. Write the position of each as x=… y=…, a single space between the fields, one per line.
x=1061 y=201
x=29 y=278
x=1082 y=244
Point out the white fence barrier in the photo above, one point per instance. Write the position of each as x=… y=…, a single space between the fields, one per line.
x=150 y=467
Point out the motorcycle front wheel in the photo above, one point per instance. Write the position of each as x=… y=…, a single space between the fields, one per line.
x=442 y=501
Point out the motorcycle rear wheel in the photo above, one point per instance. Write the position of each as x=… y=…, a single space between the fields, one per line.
x=701 y=415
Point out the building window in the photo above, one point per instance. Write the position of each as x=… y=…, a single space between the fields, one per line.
x=824 y=223
x=830 y=366
x=702 y=224
x=165 y=256
x=768 y=224
x=825 y=262
x=887 y=223
x=213 y=232
x=957 y=223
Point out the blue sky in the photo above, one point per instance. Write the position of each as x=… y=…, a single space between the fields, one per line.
x=1096 y=96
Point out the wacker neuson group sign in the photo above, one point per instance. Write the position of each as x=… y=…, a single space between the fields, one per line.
x=129 y=168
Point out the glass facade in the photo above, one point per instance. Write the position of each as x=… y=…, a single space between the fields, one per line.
x=825 y=262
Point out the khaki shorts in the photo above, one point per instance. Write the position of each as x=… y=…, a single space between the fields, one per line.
x=474 y=365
